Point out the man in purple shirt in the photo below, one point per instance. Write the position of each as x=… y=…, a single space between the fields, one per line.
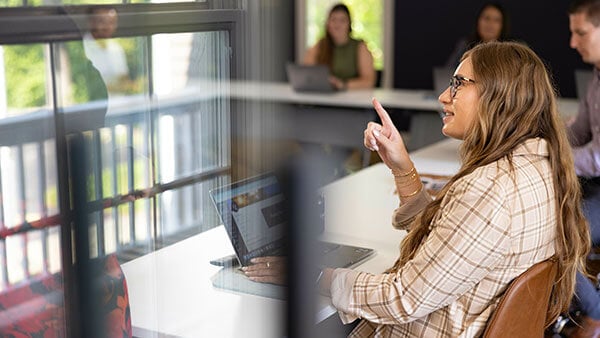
x=584 y=134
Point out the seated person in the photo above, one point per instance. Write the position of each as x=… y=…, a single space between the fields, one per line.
x=349 y=60
x=584 y=133
x=514 y=202
x=492 y=25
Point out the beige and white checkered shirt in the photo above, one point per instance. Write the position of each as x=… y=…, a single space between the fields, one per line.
x=492 y=226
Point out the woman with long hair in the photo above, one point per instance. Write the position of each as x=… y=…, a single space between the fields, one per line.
x=349 y=60
x=514 y=202
x=492 y=24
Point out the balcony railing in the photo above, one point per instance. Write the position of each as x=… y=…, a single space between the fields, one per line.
x=136 y=203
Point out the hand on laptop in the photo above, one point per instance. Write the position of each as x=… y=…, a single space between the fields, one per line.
x=337 y=83
x=268 y=269
x=324 y=281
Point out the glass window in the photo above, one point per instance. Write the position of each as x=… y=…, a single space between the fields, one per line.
x=190 y=78
x=29 y=214
x=24 y=79
x=152 y=113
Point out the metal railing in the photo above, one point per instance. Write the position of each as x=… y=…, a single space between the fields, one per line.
x=116 y=201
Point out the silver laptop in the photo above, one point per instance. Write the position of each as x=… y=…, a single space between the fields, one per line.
x=305 y=78
x=253 y=213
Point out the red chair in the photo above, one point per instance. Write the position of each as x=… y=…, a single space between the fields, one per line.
x=35 y=308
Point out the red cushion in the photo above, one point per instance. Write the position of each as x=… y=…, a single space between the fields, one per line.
x=35 y=308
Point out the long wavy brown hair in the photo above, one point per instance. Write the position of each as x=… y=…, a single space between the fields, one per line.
x=325 y=45
x=518 y=102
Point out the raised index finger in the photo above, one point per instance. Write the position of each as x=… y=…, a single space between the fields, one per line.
x=383 y=115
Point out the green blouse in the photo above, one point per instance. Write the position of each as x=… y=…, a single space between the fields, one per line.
x=345 y=60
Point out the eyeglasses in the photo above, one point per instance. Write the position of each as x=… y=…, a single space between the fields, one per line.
x=457 y=81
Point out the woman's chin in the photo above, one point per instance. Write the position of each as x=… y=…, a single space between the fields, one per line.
x=447 y=131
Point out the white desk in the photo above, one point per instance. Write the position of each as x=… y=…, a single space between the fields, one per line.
x=410 y=99
x=320 y=122
x=170 y=292
x=283 y=92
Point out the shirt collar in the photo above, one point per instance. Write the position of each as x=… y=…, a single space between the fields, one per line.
x=533 y=146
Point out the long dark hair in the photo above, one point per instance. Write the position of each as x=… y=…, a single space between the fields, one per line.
x=475 y=38
x=325 y=45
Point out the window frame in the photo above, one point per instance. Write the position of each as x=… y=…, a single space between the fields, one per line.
x=54 y=24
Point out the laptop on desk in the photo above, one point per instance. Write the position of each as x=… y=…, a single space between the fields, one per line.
x=304 y=78
x=253 y=213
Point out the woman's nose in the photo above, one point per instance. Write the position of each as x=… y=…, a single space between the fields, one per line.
x=445 y=96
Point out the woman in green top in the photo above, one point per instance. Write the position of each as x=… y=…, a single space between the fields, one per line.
x=349 y=60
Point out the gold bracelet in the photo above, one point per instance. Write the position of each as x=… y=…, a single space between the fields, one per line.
x=405 y=185
x=412 y=193
x=397 y=174
x=403 y=181
x=412 y=177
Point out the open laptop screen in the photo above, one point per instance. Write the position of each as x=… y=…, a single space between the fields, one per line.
x=252 y=212
x=309 y=78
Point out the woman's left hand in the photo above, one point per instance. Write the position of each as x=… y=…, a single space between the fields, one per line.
x=325 y=282
x=268 y=269
x=337 y=83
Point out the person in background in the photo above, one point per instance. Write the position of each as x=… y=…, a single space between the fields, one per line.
x=349 y=60
x=514 y=202
x=584 y=135
x=106 y=54
x=492 y=25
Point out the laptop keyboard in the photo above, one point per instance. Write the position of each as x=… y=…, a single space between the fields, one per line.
x=326 y=247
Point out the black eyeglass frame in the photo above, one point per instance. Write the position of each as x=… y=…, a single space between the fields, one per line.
x=456 y=81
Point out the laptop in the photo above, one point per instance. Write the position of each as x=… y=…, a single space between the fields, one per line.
x=304 y=78
x=253 y=213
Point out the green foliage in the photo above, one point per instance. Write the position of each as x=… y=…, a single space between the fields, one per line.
x=367 y=23
x=11 y=3
x=135 y=51
x=90 y=2
x=86 y=82
x=25 y=76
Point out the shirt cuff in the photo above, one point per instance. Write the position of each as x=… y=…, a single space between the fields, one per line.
x=341 y=292
x=404 y=215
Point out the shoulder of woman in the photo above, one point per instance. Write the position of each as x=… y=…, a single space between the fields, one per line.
x=361 y=42
x=362 y=47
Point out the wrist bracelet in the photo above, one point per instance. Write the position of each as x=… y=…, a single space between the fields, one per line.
x=400 y=179
x=399 y=174
x=412 y=193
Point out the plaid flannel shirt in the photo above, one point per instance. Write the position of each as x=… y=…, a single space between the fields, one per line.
x=493 y=224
